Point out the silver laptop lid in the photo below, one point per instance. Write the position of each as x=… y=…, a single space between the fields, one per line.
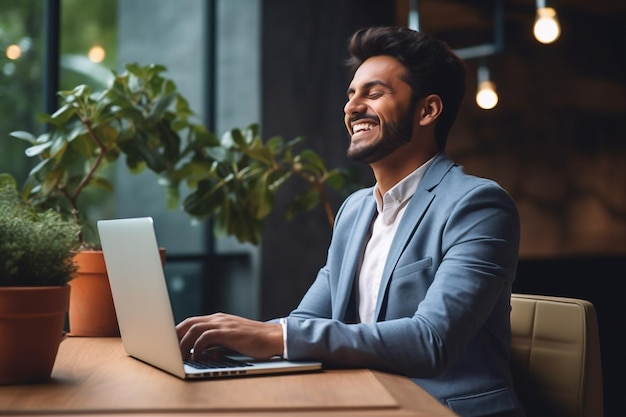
x=140 y=294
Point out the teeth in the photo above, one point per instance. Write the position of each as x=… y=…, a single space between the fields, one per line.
x=362 y=126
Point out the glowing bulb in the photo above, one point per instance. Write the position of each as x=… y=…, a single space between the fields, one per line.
x=486 y=97
x=96 y=54
x=13 y=51
x=547 y=28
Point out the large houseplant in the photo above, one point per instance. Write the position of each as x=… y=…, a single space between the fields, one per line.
x=233 y=178
x=36 y=252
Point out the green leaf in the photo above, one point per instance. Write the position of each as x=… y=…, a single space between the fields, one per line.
x=160 y=106
x=192 y=172
x=276 y=144
x=63 y=114
x=134 y=68
x=305 y=201
x=51 y=181
x=204 y=200
x=217 y=153
x=169 y=88
x=204 y=138
x=139 y=151
x=172 y=197
x=263 y=197
x=37 y=149
x=8 y=181
x=20 y=134
x=170 y=141
x=262 y=154
x=182 y=107
x=135 y=166
x=112 y=154
x=313 y=159
x=335 y=179
x=102 y=183
x=58 y=146
x=238 y=138
x=295 y=141
x=40 y=167
x=80 y=90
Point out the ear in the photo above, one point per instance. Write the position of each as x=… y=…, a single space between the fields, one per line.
x=429 y=109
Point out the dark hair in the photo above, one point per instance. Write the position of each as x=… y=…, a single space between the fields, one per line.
x=432 y=67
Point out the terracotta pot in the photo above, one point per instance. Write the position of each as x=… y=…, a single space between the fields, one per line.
x=91 y=304
x=31 y=328
x=92 y=312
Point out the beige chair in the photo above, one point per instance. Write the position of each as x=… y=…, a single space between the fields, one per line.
x=556 y=356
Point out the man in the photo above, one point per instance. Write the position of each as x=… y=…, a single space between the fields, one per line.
x=420 y=267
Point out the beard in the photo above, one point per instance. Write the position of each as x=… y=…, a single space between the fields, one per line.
x=392 y=137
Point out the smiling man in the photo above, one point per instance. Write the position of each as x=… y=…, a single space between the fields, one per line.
x=378 y=85
x=420 y=266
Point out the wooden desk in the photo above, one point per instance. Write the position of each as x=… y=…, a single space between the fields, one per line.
x=95 y=376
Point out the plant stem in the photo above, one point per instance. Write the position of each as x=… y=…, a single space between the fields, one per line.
x=72 y=198
x=96 y=164
x=318 y=184
x=326 y=202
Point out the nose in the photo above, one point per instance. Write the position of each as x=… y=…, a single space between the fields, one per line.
x=353 y=105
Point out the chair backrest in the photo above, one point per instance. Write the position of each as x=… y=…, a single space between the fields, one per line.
x=556 y=356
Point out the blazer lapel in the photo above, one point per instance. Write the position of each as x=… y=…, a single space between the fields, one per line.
x=353 y=250
x=413 y=215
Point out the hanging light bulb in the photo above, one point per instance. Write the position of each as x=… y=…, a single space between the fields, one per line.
x=546 y=28
x=486 y=96
x=414 y=17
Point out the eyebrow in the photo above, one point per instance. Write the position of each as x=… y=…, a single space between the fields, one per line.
x=369 y=85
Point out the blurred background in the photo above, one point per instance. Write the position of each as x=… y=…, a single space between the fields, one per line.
x=555 y=139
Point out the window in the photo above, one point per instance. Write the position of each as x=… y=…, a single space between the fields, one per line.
x=87 y=43
x=21 y=78
x=96 y=36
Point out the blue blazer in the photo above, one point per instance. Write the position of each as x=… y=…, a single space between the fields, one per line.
x=444 y=301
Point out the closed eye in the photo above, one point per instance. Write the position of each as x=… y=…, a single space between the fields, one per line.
x=375 y=95
x=372 y=90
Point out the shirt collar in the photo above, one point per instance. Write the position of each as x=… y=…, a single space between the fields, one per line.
x=395 y=198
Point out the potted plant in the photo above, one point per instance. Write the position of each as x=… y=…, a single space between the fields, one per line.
x=142 y=115
x=36 y=263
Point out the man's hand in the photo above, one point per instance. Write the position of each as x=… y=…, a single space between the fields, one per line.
x=256 y=339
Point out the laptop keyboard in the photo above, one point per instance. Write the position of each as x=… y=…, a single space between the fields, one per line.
x=214 y=360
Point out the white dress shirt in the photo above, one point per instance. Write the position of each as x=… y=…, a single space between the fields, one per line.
x=390 y=207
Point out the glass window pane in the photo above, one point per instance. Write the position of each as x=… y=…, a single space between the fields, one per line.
x=21 y=80
x=88 y=42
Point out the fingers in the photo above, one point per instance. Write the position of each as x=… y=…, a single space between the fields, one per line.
x=202 y=332
x=203 y=342
x=249 y=337
x=193 y=332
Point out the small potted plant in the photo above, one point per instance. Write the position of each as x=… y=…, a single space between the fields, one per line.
x=142 y=115
x=36 y=264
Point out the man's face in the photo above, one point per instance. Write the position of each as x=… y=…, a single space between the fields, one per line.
x=378 y=114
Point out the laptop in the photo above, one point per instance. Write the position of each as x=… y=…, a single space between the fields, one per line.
x=144 y=311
